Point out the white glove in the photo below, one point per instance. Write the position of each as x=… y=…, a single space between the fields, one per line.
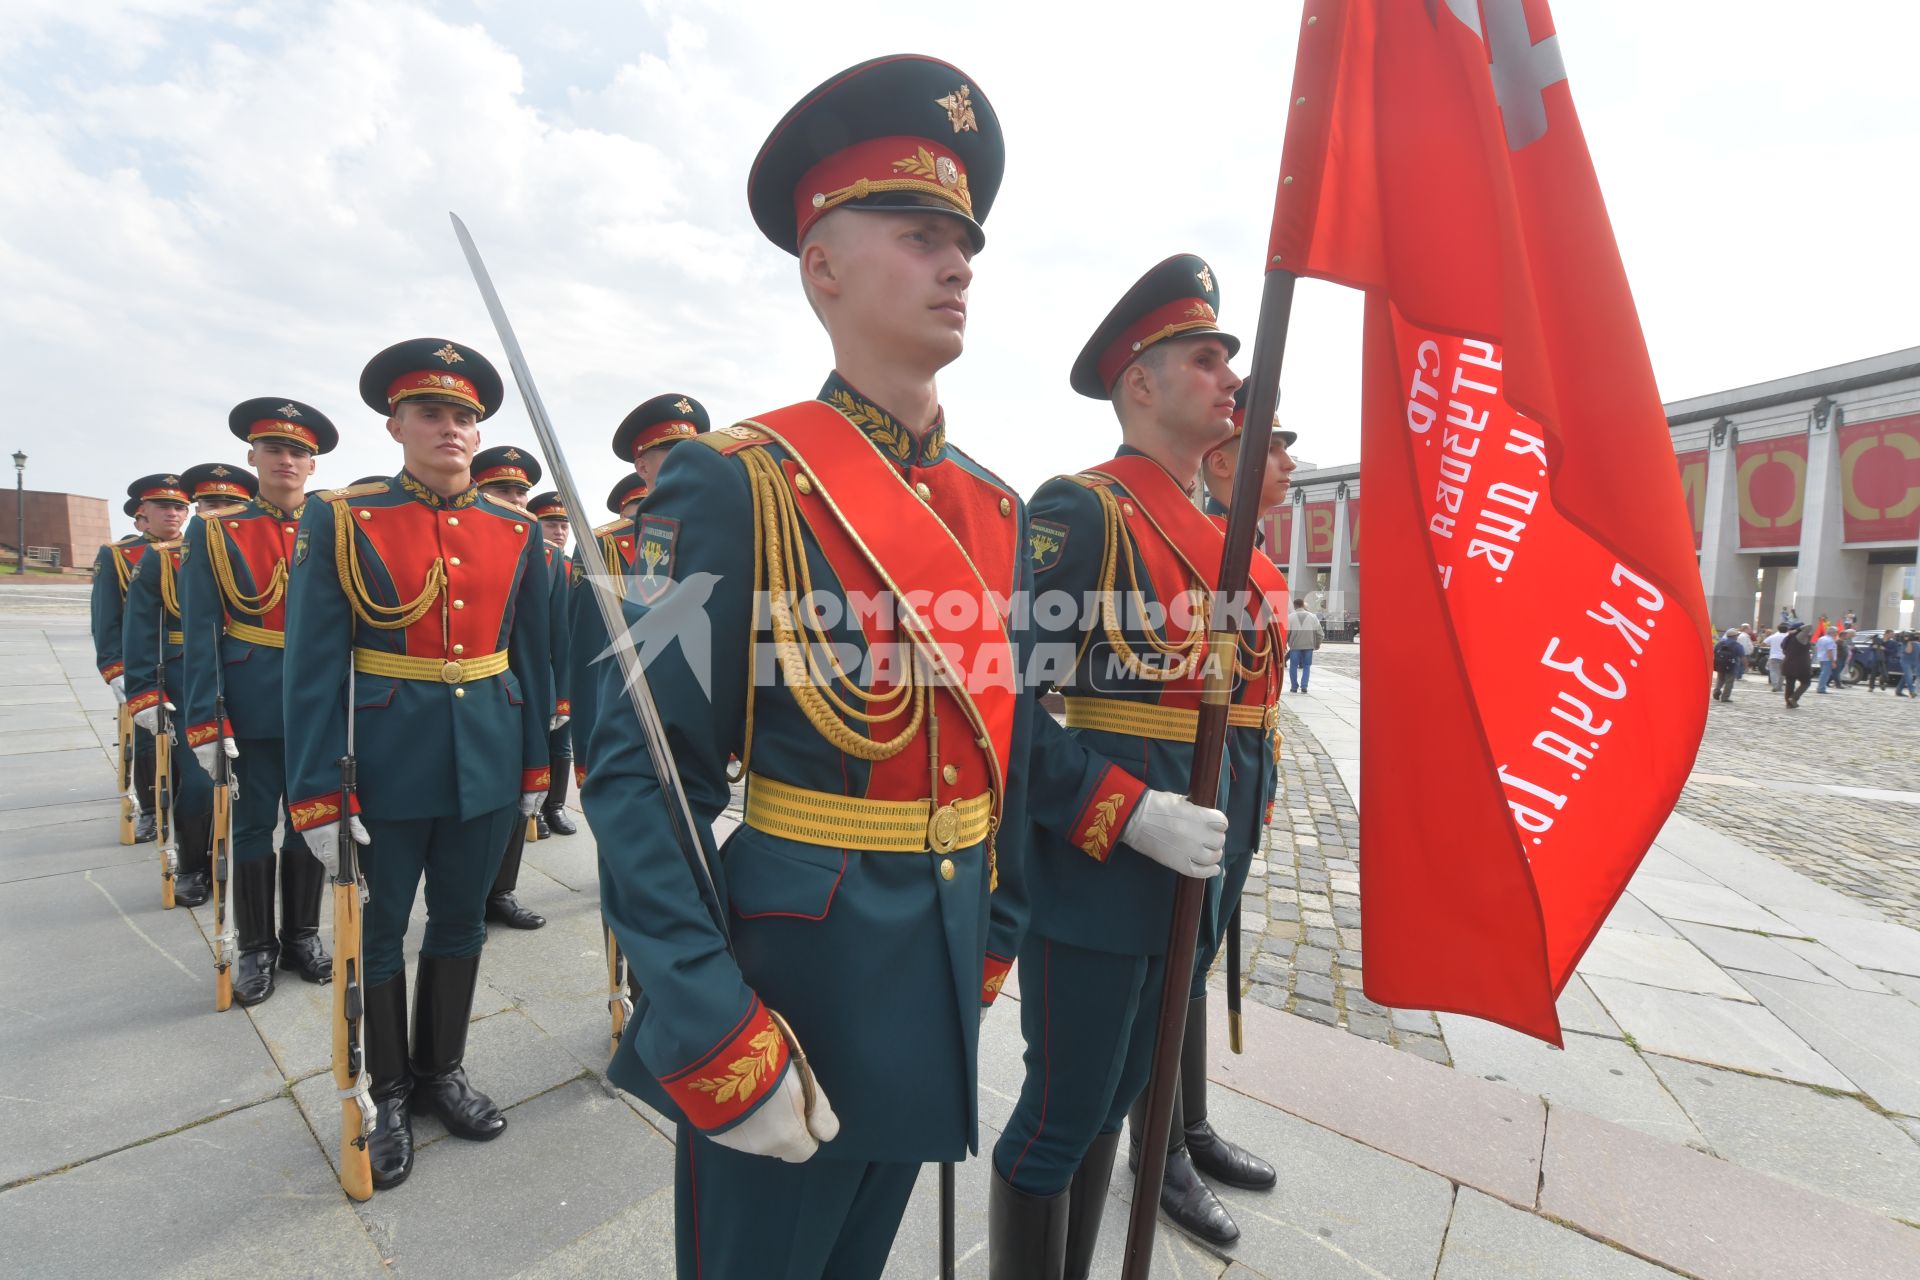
x=204 y=754
x=148 y=718
x=119 y=686
x=781 y=1128
x=324 y=841
x=1177 y=834
x=529 y=801
x=556 y=722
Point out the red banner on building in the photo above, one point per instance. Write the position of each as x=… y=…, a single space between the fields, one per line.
x=1353 y=529
x=1693 y=483
x=1880 y=479
x=1530 y=532
x=1771 y=479
x=1319 y=518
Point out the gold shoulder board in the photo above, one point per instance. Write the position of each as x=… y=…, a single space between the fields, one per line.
x=366 y=490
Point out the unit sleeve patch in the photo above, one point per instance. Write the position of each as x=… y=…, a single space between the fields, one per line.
x=653 y=562
x=1046 y=540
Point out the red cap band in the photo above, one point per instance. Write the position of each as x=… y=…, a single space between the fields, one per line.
x=1182 y=315
x=277 y=428
x=662 y=433
x=430 y=382
x=918 y=165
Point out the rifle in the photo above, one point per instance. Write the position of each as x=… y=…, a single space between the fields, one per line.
x=224 y=943
x=129 y=783
x=350 y=1080
x=619 y=999
x=1209 y=743
x=163 y=771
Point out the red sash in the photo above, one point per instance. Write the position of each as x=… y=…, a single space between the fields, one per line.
x=911 y=549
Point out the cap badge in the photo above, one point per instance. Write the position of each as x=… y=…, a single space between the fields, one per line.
x=221 y=471
x=946 y=171
x=287 y=411
x=169 y=479
x=448 y=355
x=513 y=455
x=445 y=379
x=682 y=405
x=959 y=105
x=1205 y=275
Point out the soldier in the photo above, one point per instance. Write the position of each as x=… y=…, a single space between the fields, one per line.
x=153 y=620
x=643 y=439
x=1253 y=746
x=856 y=915
x=507 y=473
x=1127 y=535
x=112 y=567
x=233 y=603
x=421 y=603
x=552 y=515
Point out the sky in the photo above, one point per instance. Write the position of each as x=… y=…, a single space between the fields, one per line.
x=204 y=201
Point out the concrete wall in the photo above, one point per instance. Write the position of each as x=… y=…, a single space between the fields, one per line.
x=76 y=524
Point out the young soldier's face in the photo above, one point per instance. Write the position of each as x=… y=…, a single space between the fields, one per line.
x=214 y=506
x=1193 y=389
x=281 y=466
x=1223 y=462
x=164 y=519
x=435 y=436
x=904 y=279
x=512 y=495
x=554 y=531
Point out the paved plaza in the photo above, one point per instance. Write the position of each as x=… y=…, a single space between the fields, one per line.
x=1739 y=1095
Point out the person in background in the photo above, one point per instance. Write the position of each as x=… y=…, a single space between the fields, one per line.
x=1776 y=655
x=1797 y=665
x=1909 y=665
x=1890 y=658
x=1826 y=651
x=1842 y=655
x=1727 y=657
x=1303 y=637
x=1747 y=643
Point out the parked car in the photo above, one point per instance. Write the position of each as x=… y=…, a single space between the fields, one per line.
x=1858 y=670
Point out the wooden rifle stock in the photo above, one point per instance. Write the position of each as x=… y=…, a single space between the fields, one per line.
x=222 y=851
x=163 y=802
x=128 y=781
x=349 y=1002
x=619 y=999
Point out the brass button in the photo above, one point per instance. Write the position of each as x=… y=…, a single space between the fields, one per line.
x=453 y=519
x=1006 y=508
x=519 y=528
x=1127 y=507
x=803 y=484
x=235 y=524
x=366 y=515
x=459 y=692
x=950 y=775
x=459 y=604
x=289 y=528
x=925 y=494
x=454 y=561
x=946 y=868
x=459 y=648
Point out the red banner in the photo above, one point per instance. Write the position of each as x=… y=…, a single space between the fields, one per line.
x=1319 y=518
x=1353 y=530
x=1693 y=483
x=1282 y=541
x=1771 y=476
x=1880 y=479
x=1529 y=524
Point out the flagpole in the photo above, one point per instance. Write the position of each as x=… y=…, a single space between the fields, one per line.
x=1209 y=745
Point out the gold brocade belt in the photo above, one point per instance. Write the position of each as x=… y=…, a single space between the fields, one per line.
x=257 y=635
x=867 y=826
x=378 y=662
x=1147 y=720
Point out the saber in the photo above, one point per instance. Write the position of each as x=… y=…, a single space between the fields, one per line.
x=639 y=692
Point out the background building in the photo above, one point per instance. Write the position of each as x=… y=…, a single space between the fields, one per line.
x=74 y=524
x=1804 y=493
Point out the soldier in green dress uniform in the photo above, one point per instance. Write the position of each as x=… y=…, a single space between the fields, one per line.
x=552 y=515
x=234 y=610
x=424 y=602
x=113 y=566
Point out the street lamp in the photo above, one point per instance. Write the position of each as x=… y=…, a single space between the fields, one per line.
x=20 y=511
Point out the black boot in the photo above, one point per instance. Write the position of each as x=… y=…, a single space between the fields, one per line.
x=554 y=811
x=540 y=829
x=1212 y=1154
x=440 y=1013
x=502 y=906
x=145 y=831
x=194 y=883
x=1026 y=1235
x=1185 y=1198
x=1087 y=1204
x=390 y=1149
x=252 y=888
x=302 y=880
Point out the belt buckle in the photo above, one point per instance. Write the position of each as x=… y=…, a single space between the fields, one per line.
x=943 y=829
x=451 y=672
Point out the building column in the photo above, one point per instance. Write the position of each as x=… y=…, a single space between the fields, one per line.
x=1728 y=584
x=1832 y=581
x=1340 y=593
x=1297 y=580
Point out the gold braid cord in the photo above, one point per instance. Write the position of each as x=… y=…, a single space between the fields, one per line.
x=122 y=568
x=381 y=617
x=169 y=585
x=237 y=600
x=1119 y=547
x=780 y=555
